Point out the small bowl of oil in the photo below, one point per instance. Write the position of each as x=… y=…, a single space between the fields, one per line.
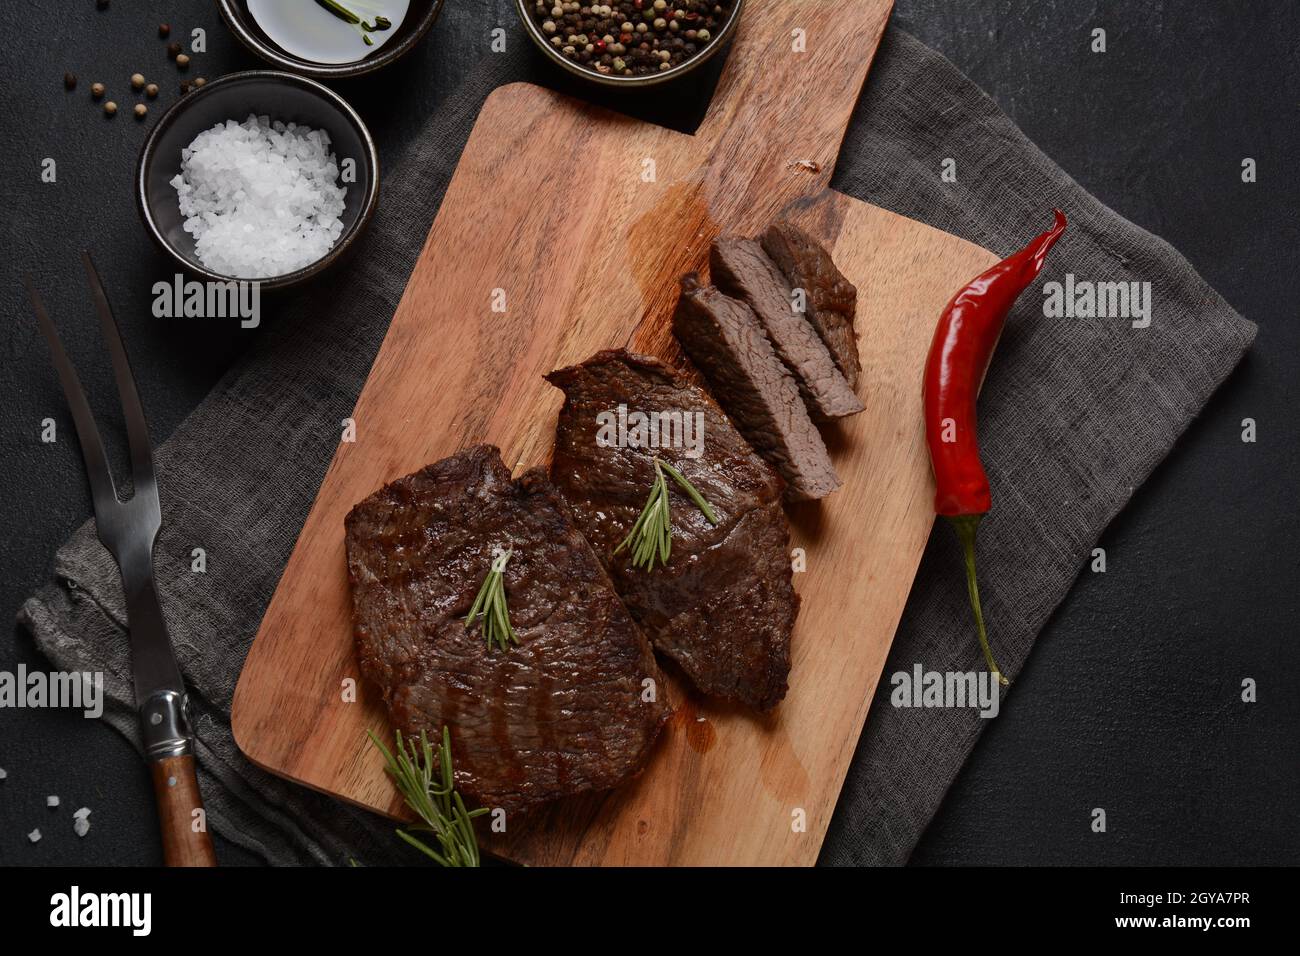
x=330 y=39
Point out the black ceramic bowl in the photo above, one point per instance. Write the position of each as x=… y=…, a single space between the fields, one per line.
x=419 y=18
x=284 y=97
x=543 y=42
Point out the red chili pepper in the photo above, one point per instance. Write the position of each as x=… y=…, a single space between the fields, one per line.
x=959 y=356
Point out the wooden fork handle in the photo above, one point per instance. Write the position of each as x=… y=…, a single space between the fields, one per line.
x=184 y=831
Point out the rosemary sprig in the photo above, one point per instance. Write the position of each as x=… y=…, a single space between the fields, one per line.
x=689 y=488
x=439 y=806
x=490 y=604
x=347 y=16
x=652 y=534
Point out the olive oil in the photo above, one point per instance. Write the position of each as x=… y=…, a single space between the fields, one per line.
x=319 y=33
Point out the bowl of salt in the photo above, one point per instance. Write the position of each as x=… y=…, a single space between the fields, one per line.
x=261 y=176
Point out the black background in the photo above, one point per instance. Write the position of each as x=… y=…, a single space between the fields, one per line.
x=1131 y=700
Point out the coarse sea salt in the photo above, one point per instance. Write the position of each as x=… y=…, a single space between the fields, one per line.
x=260 y=197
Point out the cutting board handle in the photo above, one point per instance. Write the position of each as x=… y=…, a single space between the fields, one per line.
x=792 y=78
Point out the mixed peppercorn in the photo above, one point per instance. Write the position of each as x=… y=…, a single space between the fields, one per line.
x=631 y=37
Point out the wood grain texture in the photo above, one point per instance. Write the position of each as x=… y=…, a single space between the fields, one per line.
x=176 y=791
x=550 y=205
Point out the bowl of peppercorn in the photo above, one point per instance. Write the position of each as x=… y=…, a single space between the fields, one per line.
x=630 y=42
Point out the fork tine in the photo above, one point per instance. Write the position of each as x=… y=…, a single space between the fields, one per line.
x=102 y=490
x=137 y=429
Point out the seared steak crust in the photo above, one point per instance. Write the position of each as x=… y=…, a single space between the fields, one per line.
x=559 y=713
x=724 y=605
x=831 y=299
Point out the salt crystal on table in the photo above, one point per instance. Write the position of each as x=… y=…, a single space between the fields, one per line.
x=80 y=823
x=51 y=801
x=34 y=836
x=3 y=774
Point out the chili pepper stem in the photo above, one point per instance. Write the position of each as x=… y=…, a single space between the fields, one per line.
x=966 y=526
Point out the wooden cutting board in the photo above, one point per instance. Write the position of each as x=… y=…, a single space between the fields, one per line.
x=577 y=222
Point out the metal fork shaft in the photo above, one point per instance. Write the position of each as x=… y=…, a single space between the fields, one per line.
x=153 y=663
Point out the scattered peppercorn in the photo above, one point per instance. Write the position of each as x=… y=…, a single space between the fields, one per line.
x=199 y=81
x=137 y=81
x=96 y=90
x=151 y=90
x=164 y=30
x=141 y=111
x=185 y=87
x=110 y=107
x=69 y=81
x=182 y=60
x=630 y=37
x=173 y=49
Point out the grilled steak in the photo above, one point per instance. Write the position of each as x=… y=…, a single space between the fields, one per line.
x=727 y=343
x=831 y=299
x=740 y=268
x=724 y=604
x=559 y=713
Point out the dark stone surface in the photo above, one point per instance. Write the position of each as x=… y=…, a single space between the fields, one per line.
x=1130 y=702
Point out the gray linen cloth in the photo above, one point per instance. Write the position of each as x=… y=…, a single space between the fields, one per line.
x=1075 y=415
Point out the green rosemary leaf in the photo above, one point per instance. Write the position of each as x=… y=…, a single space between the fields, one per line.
x=377 y=23
x=464 y=820
x=651 y=536
x=439 y=807
x=423 y=848
x=490 y=605
x=651 y=526
x=444 y=755
x=340 y=11
x=689 y=488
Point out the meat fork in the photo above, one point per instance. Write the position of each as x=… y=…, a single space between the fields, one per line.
x=128 y=530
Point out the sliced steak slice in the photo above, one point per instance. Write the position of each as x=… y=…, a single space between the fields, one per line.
x=724 y=604
x=559 y=713
x=740 y=268
x=727 y=343
x=832 y=300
